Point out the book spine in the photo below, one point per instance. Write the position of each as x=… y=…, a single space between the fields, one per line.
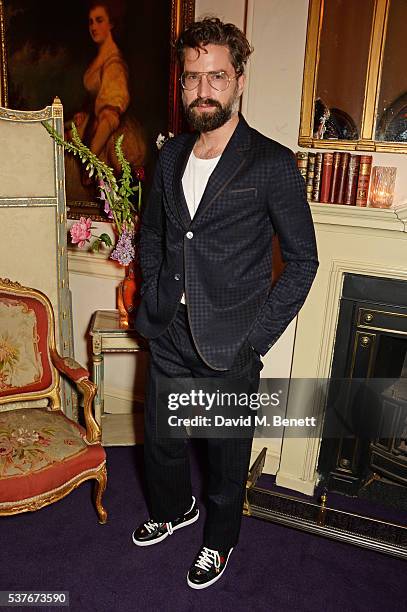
x=302 y=163
x=335 y=177
x=327 y=159
x=352 y=180
x=343 y=175
x=316 y=190
x=363 y=180
x=310 y=175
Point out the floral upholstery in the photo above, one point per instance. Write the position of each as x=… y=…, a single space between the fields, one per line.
x=34 y=440
x=44 y=455
x=24 y=357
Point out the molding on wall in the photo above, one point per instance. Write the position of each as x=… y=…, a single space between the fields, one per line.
x=93 y=264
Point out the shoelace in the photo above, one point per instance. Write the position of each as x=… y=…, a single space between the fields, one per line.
x=151 y=526
x=207 y=558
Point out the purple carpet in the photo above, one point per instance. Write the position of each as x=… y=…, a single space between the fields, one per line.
x=62 y=547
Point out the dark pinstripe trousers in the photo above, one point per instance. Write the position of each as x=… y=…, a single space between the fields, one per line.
x=173 y=355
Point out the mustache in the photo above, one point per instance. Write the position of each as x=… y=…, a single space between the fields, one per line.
x=199 y=101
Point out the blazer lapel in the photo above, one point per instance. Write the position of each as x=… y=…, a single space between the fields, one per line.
x=229 y=165
x=181 y=205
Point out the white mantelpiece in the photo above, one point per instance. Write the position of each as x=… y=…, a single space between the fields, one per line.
x=356 y=240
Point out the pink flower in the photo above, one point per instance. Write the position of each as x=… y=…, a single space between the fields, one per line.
x=108 y=210
x=80 y=231
x=104 y=189
x=102 y=186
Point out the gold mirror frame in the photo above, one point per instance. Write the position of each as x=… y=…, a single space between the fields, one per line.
x=372 y=88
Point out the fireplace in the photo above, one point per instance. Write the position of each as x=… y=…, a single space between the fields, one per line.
x=362 y=277
x=368 y=390
x=389 y=454
x=352 y=241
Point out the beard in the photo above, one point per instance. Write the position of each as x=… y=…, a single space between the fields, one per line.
x=206 y=122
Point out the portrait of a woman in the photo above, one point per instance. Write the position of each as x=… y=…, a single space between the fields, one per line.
x=105 y=116
x=111 y=69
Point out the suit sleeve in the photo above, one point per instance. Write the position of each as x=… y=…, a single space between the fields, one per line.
x=291 y=217
x=152 y=233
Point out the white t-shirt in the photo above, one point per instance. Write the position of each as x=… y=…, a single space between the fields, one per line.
x=194 y=181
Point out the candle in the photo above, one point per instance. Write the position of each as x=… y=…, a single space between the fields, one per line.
x=382 y=186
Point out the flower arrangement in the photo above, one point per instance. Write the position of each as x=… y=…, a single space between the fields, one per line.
x=117 y=195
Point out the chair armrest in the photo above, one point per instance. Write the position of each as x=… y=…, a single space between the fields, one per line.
x=80 y=375
x=68 y=366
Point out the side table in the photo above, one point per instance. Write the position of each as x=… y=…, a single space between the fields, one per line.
x=108 y=337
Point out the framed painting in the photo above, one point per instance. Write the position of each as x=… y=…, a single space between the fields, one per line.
x=112 y=64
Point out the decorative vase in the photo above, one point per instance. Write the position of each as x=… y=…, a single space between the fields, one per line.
x=382 y=186
x=128 y=295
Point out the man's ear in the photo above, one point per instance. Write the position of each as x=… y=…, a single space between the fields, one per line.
x=241 y=81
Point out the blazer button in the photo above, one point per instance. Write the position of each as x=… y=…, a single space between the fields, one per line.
x=177 y=276
x=190 y=235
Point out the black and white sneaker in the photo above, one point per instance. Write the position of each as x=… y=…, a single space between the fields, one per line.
x=208 y=567
x=151 y=533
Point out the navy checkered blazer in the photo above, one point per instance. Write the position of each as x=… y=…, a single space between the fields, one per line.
x=222 y=259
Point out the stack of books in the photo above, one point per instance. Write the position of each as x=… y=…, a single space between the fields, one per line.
x=336 y=178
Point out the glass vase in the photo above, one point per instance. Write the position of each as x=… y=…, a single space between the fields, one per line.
x=382 y=186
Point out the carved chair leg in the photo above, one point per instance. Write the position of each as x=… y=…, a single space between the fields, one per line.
x=100 y=487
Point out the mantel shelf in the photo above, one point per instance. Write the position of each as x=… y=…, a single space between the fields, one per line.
x=392 y=219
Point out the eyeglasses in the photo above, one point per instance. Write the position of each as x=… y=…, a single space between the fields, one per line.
x=219 y=80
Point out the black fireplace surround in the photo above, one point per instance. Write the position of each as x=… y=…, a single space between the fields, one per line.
x=367 y=397
x=370 y=345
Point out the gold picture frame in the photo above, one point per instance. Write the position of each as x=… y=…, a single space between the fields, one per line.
x=143 y=77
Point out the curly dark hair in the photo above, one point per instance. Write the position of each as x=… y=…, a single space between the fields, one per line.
x=212 y=31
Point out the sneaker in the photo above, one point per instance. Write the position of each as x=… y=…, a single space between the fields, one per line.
x=151 y=533
x=208 y=567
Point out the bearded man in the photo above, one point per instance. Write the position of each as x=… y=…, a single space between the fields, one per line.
x=220 y=194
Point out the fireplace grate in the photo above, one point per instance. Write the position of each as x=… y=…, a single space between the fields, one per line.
x=319 y=519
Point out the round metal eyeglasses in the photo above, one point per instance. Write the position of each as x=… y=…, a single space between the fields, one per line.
x=217 y=80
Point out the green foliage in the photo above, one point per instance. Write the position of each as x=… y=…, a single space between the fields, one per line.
x=118 y=193
x=105 y=238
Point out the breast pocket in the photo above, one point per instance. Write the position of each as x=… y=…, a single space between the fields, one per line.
x=249 y=193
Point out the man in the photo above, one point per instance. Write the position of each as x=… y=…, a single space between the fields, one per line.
x=220 y=193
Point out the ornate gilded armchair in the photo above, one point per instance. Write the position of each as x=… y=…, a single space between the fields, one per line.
x=44 y=455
